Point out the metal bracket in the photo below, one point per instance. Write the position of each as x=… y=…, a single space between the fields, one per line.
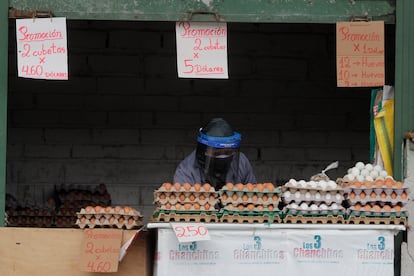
x=216 y=16
x=15 y=13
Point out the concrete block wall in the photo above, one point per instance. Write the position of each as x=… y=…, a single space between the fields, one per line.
x=124 y=118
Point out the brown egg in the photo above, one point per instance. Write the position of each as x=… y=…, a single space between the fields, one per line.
x=187 y=186
x=396 y=208
x=187 y=206
x=270 y=207
x=178 y=206
x=389 y=182
x=162 y=196
x=181 y=197
x=206 y=187
x=383 y=195
x=245 y=197
x=201 y=197
x=260 y=208
x=230 y=207
x=275 y=197
x=250 y=187
x=207 y=206
x=168 y=206
x=357 y=206
x=239 y=186
x=197 y=187
x=127 y=209
x=265 y=197
x=404 y=195
x=224 y=196
x=373 y=195
x=117 y=209
x=351 y=195
x=196 y=206
x=398 y=184
x=269 y=186
x=212 y=197
x=379 y=183
x=259 y=187
x=367 y=207
x=240 y=207
x=172 y=196
x=88 y=209
x=130 y=221
x=167 y=186
x=362 y=195
x=376 y=208
x=386 y=208
x=255 y=198
x=393 y=195
x=121 y=219
x=357 y=184
x=367 y=184
x=229 y=185
x=112 y=220
x=82 y=219
x=191 y=197
x=234 y=197
x=177 y=186
x=250 y=207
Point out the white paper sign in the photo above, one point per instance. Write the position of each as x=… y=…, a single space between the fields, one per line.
x=201 y=50
x=42 y=48
x=188 y=232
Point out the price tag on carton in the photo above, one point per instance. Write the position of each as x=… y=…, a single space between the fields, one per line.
x=100 y=250
x=189 y=232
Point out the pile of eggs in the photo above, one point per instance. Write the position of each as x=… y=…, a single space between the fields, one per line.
x=249 y=197
x=379 y=197
x=109 y=216
x=312 y=197
x=186 y=197
x=361 y=172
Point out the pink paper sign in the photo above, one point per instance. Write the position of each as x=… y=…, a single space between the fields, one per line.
x=42 y=48
x=202 y=50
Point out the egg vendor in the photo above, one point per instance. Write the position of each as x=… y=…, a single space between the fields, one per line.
x=217 y=158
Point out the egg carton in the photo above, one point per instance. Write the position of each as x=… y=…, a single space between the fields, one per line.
x=184 y=216
x=107 y=223
x=250 y=208
x=392 y=220
x=378 y=190
x=315 y=196
x=108 y=211
x=187 y=207
x=249 y=189
x=378 y=212
x=320 y=185
x=250 y=217
x=377 y=199
x=212 y=199
x=314 y=219
x=328 y=210
x=265 y=200
x=102 y=216
x=185 y=188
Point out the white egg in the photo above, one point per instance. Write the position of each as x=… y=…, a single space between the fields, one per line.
x=369 y=178
x=360 y=165
x=349 y=171
x=383 y=173
x=294 y=205
x=304 y=206
x=297 y=194
x=314 y=207
x=338 y=197
x=292 y=181
x=378 y=168
x=317 y=196
x=332 y=184
x=364 y=172
x=369 y=167
x=313 y=184
x=323 y=206
x=349 y=177
x=334 y=206
x=328 y=196
x=302 y=183
x=374 y=174
x=355 y=171
x=360 y=178
x=287 y=194
x=307 y=195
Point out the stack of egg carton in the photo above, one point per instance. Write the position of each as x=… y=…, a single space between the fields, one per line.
x=313 y=202
x=185 y=202
x=109 y=217
x=250 y=203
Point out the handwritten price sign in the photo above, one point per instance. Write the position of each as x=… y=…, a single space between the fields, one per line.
x=360 y=54
x=201 y=50
x=188 y=232
x=100 y=250
x=42 y=48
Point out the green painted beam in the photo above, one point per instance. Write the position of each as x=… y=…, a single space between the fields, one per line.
x=404 y=80
x=4 y=37
x=286 y=11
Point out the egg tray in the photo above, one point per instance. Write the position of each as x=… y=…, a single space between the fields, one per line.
x=192 y=189
x=250 y=217
x=183 y=207
x=184 y=216
x=251 y=200
x=327 y=198
x=377 y=199
x=353 y=219
x=293 y=189
x=378 y=190
x=246 y=208
x=32 y=221
x=381 y=213
x=319 y=212
x=103 y=222
x=314 y=219
x=112 y=212
x=186 y=200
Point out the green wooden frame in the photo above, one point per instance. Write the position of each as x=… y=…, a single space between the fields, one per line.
x=263 y=11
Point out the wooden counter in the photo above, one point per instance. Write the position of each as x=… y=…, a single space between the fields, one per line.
x=47 y=251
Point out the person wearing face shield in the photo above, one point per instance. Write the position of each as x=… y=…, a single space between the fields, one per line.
x=217 y=158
